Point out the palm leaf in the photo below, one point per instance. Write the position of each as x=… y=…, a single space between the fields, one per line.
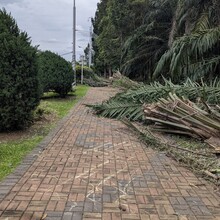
x=194 y=45
x=119 y=110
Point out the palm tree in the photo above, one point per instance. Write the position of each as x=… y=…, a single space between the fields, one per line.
x=148 y=42
x=195 y=54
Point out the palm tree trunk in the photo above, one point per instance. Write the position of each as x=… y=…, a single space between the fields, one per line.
x=187 y=26
x=121 y=44
x=109 y=71
x=105 y=72
x=218 y=11
x=173 y=27
x=174 y=23
x=172 y=32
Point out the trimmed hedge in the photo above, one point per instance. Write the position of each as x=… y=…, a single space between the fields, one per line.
x=19 y=88
x=55 y=73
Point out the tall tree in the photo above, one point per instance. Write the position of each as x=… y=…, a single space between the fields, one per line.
x=195 y=53
x=149 y=38
x=19 y=88
x=97 y=29
x=86 y=53
x=149 y=41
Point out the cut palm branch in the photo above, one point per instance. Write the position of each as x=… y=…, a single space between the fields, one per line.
x=181 y=116
x=129 y=104
x=191 y=90
x=123 y=82
x=119 y=110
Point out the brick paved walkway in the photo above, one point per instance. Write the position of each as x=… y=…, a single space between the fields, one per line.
x=93 y=168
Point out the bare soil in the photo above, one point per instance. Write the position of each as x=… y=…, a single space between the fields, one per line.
x=38 y=127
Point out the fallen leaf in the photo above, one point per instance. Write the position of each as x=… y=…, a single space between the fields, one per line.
x=122 y=207
x=44 y=217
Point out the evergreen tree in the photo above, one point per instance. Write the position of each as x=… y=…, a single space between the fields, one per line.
x=101 y=11
x=86 y=53
x=115 y=20
x=55 y=73
x=146 y=39
x=19 y=88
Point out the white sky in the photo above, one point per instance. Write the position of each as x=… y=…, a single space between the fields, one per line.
x=49 y=23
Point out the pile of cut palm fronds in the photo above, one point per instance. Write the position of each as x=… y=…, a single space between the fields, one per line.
x=123 y=82
x=181 y=116
x=129 y=104
x=94 y=80
x=191 y=90
x=119 y=109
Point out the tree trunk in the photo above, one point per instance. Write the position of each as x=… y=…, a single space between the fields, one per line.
x=109 y=72
x=105 y=72
x=174 y=26
x=173 y=31
x=187 y=26
x=121 y=39
x=217 y=8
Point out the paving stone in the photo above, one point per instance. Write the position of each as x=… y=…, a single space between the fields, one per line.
x=93 y=168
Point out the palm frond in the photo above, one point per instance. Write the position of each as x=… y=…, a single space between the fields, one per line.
x=191 y=90
x=119 y=110
x=129 y=104
x=186 y=47
x=202 y=68
x=202 y=23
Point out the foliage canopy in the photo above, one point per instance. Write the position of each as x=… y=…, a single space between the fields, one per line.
x=146 y=39
x=19 y=93
x=55 y=73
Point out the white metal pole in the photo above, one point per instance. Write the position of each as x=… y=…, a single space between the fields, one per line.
x=74 y=40
x=90 y=46
x=82 y=60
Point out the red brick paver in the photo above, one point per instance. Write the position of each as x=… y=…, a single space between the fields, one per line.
x=94 y=168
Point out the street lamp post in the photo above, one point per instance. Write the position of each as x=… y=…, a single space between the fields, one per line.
x=82 y=66
x=74 y=40
x=90 y=45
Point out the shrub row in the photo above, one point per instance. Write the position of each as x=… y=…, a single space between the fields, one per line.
x=55 y=73
x=19 y=86
x=25 y=73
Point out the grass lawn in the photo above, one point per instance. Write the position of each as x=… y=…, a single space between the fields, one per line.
x=59 y=106
x=12 y=152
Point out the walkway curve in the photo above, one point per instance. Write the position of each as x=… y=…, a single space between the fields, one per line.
x=94 y=168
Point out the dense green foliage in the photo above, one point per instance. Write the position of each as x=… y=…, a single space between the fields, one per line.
x=87 y=72
x=146 y=39
x=19 y=94
x=113 y=23
x=89 y=77
x=55 y=73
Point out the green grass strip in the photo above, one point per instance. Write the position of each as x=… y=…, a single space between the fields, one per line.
x=13 y=152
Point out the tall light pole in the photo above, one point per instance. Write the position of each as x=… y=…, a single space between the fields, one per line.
x=90 y=45
x=74 y=40
x=82 y=66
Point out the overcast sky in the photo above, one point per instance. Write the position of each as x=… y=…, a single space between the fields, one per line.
x=49 y=22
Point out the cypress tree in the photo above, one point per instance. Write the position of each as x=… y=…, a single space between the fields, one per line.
x=55 y=73
x=19 y=88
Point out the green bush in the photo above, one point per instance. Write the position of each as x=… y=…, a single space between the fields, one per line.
x=19 y=88
x=89 y=77
x=87 y=73
x=55 y=73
